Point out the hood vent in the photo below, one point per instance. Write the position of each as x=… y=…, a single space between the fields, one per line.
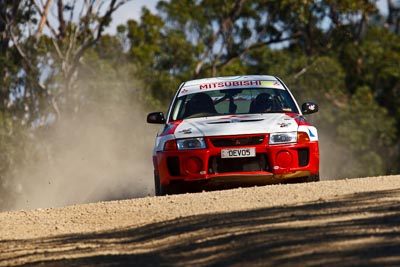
x=233 y=121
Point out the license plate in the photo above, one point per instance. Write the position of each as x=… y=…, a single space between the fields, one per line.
x=238 y=152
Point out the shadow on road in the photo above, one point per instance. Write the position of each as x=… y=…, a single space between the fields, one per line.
x=355 y=230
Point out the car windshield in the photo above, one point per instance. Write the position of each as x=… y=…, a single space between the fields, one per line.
x=233 y=101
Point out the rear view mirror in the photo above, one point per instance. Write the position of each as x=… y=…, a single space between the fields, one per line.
x=309 y=108
x=156 y=117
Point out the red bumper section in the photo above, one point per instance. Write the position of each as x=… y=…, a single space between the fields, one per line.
x=272 y=163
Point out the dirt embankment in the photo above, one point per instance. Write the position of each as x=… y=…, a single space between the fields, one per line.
x=330 y=223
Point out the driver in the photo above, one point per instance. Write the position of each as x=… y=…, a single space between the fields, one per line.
x=199 y=103
x=262 y=103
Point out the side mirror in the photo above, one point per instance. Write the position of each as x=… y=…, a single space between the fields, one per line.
x=156 y=117
x=309 y=108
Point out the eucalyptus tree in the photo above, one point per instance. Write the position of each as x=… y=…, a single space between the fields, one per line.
x=51 y=45
x=43 y=44
x=327 y=50
x=197 y=38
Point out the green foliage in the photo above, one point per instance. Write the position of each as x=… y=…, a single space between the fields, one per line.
x=380 y=67
x=321 y=80
x=18 y=147
x=325 y=52
x=363 y=115
x=367 y=131
x=39 y=75
x=354 y=129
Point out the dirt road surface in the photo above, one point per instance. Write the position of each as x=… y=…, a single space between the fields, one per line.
x=353 y=222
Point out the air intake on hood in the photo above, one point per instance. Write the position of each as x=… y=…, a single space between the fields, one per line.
x=234 y=120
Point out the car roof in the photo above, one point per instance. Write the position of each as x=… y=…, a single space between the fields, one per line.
x=230 y=82
x=230 y=78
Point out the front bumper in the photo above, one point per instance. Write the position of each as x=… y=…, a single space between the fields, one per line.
x=272 y=163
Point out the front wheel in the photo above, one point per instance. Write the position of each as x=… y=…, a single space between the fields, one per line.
x=159 y=189
x=312 y=178
x=162 y=190
x=307 y=179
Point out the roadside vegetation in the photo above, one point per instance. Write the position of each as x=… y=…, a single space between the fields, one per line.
x=57 y=64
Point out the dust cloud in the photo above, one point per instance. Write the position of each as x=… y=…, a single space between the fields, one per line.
x=102 y=154
x=336 y=160
x=331 y=157
x=94 y=158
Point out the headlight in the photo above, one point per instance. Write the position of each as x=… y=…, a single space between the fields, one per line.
x=281 y=138
x=191 y=143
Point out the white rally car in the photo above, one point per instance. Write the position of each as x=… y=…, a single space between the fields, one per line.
x=224 y=130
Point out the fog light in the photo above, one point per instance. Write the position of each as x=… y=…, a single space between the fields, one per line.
x=193 y=165
x=284 y=159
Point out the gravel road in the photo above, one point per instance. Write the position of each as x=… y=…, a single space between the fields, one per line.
x=354 y=222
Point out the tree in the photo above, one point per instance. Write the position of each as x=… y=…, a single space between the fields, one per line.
x=12 y=130
x=51 y=61
x=316 y=46
x=367 y=131
x=41 y=61
x=179 y=43
x=393 y=18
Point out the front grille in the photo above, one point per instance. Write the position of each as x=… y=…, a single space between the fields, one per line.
x=217 y=164
x=237 y=141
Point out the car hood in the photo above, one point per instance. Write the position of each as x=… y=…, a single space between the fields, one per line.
x=235 y=125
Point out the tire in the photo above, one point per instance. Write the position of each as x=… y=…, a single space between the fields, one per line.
x=312 y=178
x=159 y=189
x=162 y=190
x=307 y=179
